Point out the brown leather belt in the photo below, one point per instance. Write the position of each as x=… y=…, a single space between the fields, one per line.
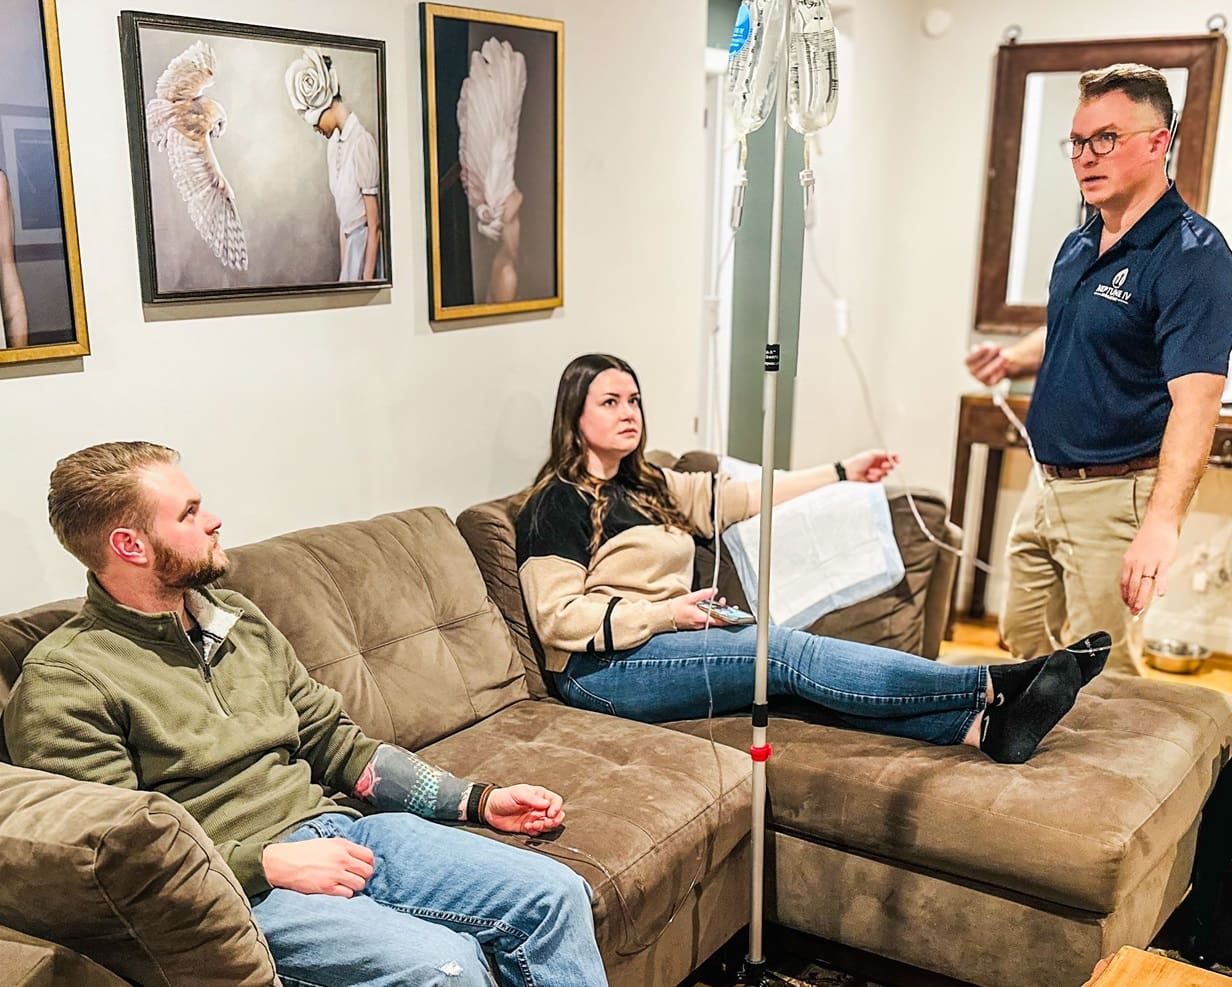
x=1099 y=469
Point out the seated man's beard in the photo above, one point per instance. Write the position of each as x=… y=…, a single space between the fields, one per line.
x=180 y=572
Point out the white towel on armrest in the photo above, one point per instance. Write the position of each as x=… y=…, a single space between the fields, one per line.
x=829 y=549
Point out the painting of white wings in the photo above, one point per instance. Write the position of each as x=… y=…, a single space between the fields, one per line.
x=182 y=122
x=488 y=113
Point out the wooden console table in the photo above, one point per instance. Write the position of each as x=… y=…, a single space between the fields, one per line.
x=981 y=422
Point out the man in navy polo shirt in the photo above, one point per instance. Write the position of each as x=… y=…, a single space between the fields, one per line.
x=1131 y=367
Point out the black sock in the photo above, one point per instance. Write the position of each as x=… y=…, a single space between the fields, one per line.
x=1011 y=680
x=1012 y=731
x=1092 y=654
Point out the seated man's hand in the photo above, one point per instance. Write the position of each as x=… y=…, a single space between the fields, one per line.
x=324 y=866
x=870 y=466
x=524 y=809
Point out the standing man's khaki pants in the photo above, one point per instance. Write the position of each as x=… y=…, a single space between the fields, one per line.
x=1065 y=552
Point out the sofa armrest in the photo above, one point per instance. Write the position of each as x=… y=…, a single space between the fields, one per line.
x=126 y=878
x=912 y=615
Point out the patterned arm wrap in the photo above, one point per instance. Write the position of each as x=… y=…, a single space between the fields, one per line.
x=395 y=780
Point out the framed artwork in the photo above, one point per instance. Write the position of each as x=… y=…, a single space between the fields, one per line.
x=259 y=158
x=493 y=145
x=42 y=307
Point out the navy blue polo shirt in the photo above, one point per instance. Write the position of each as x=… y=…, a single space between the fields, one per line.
x=1156 y=306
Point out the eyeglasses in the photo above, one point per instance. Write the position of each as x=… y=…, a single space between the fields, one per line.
x=1101 y=143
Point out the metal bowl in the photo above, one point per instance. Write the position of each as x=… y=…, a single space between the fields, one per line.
x=1177 y=657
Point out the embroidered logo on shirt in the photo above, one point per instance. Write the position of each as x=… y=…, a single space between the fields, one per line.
x=1114 y=292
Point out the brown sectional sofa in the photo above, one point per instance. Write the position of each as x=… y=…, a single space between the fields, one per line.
x=1003 y=876
x=918 y=853
x=393 y=613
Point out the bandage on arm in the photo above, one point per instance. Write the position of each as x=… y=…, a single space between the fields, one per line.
x=396 y=780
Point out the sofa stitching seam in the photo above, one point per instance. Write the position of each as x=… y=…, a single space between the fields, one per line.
x=710 y=838
x=346 y=607
x=123 y=919
x=252 y=922
x=439 y=627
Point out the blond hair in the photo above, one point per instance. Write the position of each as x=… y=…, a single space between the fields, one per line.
x=1141 y=83
x=98 y=489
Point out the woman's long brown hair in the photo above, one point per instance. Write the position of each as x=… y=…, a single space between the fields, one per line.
x=644 y=484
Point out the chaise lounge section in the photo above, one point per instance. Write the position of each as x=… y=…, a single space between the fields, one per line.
x=1002 y=876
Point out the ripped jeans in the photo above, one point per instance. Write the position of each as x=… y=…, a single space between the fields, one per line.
x=438 y=898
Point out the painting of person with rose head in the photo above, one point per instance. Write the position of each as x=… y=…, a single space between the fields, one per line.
x=235 y=195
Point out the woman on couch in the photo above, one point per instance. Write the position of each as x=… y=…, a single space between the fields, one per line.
x=605 y=560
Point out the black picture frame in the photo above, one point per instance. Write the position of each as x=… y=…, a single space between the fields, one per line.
x=481 y=268
x=279 y=186
x=42 y=303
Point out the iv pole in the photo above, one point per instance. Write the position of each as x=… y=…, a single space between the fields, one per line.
x=753 y=972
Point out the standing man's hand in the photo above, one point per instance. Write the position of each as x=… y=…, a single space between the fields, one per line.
x=991 y=363
x=524 y=809
x=988 y=363
x=1144 y=571
x=323 y=866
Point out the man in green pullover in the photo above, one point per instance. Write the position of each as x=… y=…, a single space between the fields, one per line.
x=163 y=685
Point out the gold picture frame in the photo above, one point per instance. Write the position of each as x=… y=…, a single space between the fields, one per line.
x=493 y=115
x=42 y=304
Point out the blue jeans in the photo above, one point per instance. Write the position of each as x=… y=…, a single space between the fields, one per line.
x=437 y=898
x=674 y=675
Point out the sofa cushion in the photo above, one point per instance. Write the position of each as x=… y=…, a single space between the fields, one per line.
x=126 y=878
x=31 y=962
x=393 y=614
x=648 y=811
x=488 y=530
x=1110 y=791
x=19 y=633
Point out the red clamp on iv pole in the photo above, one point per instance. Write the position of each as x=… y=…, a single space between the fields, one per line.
x=761 y=753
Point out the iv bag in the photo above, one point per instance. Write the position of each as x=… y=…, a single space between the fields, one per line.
x=753 y=63
x=812 y=67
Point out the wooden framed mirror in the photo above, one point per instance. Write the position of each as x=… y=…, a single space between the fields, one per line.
x=1031 y=200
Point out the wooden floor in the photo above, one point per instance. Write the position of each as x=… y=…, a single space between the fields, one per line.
x=980 y=637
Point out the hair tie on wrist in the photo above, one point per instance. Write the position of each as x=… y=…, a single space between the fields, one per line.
x=476 y=802
x=841 y=470
x=483 y=803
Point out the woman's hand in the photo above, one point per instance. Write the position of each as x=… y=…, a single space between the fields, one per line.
x=687 y=617
x=870 y=466
x=524 y=809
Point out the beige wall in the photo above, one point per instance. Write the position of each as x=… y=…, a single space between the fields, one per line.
x=306 y=412
x=301 y=413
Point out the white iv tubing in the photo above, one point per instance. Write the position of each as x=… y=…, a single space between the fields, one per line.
x=841 y=327
x=998 y=397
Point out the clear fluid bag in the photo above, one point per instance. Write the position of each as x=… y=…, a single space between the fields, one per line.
x=812 y=67
x=753 y=63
